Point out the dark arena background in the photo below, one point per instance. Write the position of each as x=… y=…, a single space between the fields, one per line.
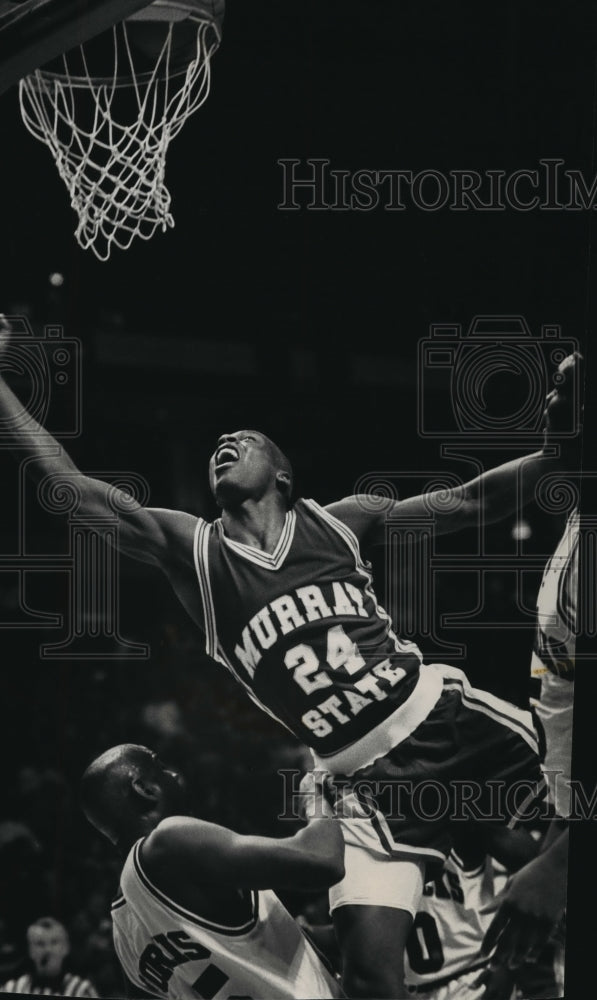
x=306 y=324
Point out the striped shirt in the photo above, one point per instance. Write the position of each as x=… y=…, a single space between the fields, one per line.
x=69 y=986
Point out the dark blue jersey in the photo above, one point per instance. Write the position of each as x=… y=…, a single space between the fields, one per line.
x=301 y=629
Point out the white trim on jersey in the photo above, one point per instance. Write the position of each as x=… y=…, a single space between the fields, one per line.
x=568 y=583
x=425 y=695
x=351 y=540
x=213 y=647
x=539 y=793
x=181 y=911
x=265 y=955
x=200 y=545
x=223 y=659
x=517 y=719
x=263 y=559
x=391 y=731
x=473 y=872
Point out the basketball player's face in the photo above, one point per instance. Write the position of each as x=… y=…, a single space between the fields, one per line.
x=242 y=466
x=172 y=784
x=48 y=947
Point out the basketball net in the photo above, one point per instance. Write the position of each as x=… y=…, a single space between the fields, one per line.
x=115 y=171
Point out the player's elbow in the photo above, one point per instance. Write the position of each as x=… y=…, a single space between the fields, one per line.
x=322 y=871
x=491 y=510
x=469 y=505
x=456 y=510
x=335 y=870
x=329 y=861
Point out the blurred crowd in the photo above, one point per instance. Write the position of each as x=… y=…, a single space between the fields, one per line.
x=53 y=864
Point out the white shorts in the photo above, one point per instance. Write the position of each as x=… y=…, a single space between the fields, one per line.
x=378 y=880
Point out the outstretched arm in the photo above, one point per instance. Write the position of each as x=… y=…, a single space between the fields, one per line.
x=148 y=534
x=486 y=499
x=182 y=850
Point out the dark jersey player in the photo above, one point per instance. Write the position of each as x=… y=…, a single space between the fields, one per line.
x=286 y=603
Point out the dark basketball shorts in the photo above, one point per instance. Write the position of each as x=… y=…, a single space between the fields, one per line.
x=473 y=759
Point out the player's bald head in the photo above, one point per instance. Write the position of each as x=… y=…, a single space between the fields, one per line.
x=127 y=787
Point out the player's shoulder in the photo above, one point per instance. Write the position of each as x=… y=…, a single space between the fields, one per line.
x=362 y=513
x=168 y=843
x=178 y=531
x=177 y=521
x=342 y=515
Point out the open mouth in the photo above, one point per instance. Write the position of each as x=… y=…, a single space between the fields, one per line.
x=226 y=455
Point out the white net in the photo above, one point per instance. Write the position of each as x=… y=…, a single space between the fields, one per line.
x=114 y=170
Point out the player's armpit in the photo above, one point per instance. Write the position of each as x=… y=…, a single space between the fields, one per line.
x=364 y=515
x=158 y=536
x=150 y=534
x=182 y=848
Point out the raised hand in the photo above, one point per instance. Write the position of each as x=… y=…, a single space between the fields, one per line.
x=529 y=909
x=558 y=416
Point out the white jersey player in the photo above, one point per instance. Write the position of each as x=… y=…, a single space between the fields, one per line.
x=443 y=950
x=447 y=932
x=533 y=905
x=194 y=916
x=553 y=661
x=444 y=958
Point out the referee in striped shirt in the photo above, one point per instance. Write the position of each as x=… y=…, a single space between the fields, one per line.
x=48 y=946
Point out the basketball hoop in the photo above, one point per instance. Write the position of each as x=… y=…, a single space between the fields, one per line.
x=113 y=158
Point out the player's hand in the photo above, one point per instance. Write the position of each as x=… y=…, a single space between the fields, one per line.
x=558 y=415
x=313 y=803
x=498 y=982
x=529 y=911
